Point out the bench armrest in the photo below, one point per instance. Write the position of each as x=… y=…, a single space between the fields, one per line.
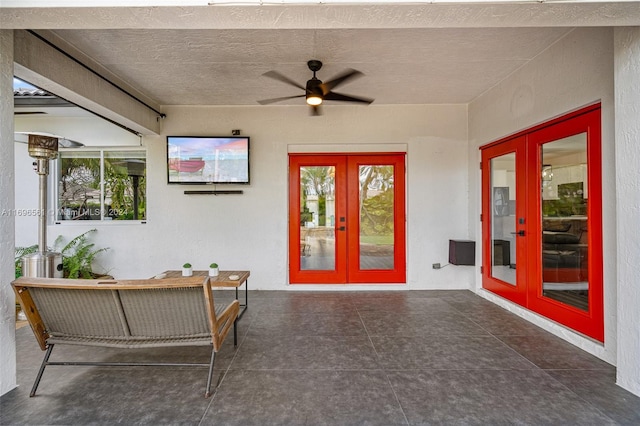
x=224 y=323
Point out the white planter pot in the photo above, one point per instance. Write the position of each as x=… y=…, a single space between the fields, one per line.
x=213 y=272
x=187 y=272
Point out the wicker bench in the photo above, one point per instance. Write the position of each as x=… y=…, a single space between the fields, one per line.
x=125 y=314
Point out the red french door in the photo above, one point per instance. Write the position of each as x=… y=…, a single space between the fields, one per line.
x=504 y=205
x=542 y=220
x=347 y=218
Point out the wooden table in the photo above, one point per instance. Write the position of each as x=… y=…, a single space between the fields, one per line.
x=223 y=280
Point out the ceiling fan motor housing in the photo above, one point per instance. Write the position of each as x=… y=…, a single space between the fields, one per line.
x=313 y=87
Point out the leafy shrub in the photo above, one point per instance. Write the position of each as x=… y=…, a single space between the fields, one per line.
x=78 y=255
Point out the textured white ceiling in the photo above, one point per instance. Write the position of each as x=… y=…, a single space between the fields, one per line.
x=216 y=55
x=225 y=67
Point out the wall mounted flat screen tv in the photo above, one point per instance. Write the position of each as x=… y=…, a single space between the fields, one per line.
x=193 y=160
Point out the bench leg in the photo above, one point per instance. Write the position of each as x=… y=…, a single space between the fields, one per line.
x=45 y=362
x=207 y=394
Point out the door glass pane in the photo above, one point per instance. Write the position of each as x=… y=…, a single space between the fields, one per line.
x=317 y=218
x=503 y=220
x=565 y=247
x=376 y=216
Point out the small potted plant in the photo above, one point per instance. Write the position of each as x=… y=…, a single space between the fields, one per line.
x=186 y=270
x=213 y=270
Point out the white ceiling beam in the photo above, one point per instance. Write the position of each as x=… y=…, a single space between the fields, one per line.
x=318 y=16
x=43 y=66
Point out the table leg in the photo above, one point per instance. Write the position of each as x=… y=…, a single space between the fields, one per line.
x=246 y=298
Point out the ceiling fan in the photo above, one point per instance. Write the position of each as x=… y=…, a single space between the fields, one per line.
x=316 y=91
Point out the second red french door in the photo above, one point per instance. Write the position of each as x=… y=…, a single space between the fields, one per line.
x=542 y=220
x=346 y=219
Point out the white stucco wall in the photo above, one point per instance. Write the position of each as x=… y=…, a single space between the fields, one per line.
x=7 y=298
x=250 y=231
x=627 y=98
x=87 y=129
x=574 y=72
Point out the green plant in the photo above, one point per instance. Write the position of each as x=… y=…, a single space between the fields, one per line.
x=78 y=255
x=213 y=265
x=186 y=265
x=20 y=252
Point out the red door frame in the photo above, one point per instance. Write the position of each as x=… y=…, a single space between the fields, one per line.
x=589 y=322
x=398 y=273
x=528 y=291
x=347 y=205
x=296 y=274
x=516 y=293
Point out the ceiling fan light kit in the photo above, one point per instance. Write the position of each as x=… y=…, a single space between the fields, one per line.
x=316 y=92
x=314 y=100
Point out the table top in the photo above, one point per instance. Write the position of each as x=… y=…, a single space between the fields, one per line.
x=222 y=280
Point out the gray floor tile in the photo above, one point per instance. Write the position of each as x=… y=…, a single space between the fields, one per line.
x=445 y=294
x=501 y=322
x=309 y=324
x=486 y=397
x=306 y=352
x=550 y=352
x=472 y=304
x=411 y=324
x=337 y=358
x=251 y=397
x=599 y=388
x=94 y=395
x=400 y=303
x=447 y=352
x=304 y=303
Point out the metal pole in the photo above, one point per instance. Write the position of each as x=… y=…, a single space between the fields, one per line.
x=42 y=170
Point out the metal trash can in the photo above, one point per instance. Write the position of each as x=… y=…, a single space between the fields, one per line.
x=42 y=265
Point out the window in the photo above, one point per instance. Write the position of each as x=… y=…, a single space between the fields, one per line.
x=101 y=184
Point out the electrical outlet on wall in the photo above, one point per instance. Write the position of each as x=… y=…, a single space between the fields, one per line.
x=436 y=266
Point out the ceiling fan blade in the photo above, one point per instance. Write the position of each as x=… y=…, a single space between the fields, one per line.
x=283 y=78
x=332 y=96
x=342 y=78
x=284 y=98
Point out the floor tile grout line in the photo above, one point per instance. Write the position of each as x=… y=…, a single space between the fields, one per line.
x=384 y=371
x=226 y=371
x=592 y=396
x=494 y=336
x=568 y=389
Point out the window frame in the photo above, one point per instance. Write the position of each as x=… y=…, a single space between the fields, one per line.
x=54 y=179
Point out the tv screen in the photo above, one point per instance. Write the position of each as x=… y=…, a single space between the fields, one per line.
x=208 y=159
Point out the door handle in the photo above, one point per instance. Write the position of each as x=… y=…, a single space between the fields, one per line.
x=520 y=233
x=342 y=228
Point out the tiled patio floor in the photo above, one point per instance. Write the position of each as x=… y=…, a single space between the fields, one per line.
x=349 y=358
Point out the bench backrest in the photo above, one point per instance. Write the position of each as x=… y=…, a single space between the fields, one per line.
x=121 y=313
